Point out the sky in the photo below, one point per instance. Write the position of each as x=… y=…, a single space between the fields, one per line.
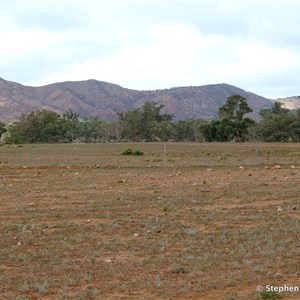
x=155 y=44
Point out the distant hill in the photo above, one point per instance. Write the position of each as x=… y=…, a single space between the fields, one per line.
x=289 y=102
x=94 y=98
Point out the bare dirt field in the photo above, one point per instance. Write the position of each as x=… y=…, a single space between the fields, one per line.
x=206 y=221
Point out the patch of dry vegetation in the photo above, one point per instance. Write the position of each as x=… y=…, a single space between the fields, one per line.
x=89 y=223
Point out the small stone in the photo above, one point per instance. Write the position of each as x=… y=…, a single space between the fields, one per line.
x=279 y=208
x=293 y=207
x=108 y=260
x=135 y=234
x=277 y=275
x=241 y=167
x=19 y=244
x=277 y=167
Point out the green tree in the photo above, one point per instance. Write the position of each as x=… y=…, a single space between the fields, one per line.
x=50 y=126
x=2 y=128
x=36 y=127
x=295 y=126
x=278 y=109
x=188 y=130
x=232 y=124
x=145 y=123
x=71 y=125
x=92 y=130
x=217 y=131
x=132 y=125
x=279 y=124
x=184 y=130
x=232 y=115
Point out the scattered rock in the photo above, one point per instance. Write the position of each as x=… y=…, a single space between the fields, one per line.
x=293 y=207
x=241 y=167
x=108 y=260
x=135 y=234
x=277 y=275
x=277 y=167
x=279 y=208
x=209 y=169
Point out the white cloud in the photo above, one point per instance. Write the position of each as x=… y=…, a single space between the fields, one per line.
x=153 y=44
x=169 y=56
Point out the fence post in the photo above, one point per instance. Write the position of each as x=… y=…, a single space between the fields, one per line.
x=36 y=155
x=165 y=157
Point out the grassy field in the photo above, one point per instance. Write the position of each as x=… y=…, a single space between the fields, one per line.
x=204 y=221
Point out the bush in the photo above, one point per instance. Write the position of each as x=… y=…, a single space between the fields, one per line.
x=128 y=152
x=268 y=295
x=133 y=152
x=138 y=152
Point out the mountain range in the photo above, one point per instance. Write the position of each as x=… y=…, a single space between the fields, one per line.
x=92 y=98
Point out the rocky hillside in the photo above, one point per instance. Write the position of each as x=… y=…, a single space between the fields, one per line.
x=104 y=100
x=289 y=102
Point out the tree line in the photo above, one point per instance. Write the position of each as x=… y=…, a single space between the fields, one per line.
x=148 y=123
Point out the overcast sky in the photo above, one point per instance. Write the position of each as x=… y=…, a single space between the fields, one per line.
x=155 y=44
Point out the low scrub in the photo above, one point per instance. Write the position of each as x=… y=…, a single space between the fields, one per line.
x=133 y=152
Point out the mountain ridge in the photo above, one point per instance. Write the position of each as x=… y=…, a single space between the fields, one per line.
x=93 y=98
x=292 y=102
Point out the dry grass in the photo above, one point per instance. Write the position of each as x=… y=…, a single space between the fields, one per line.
x=85 y=222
